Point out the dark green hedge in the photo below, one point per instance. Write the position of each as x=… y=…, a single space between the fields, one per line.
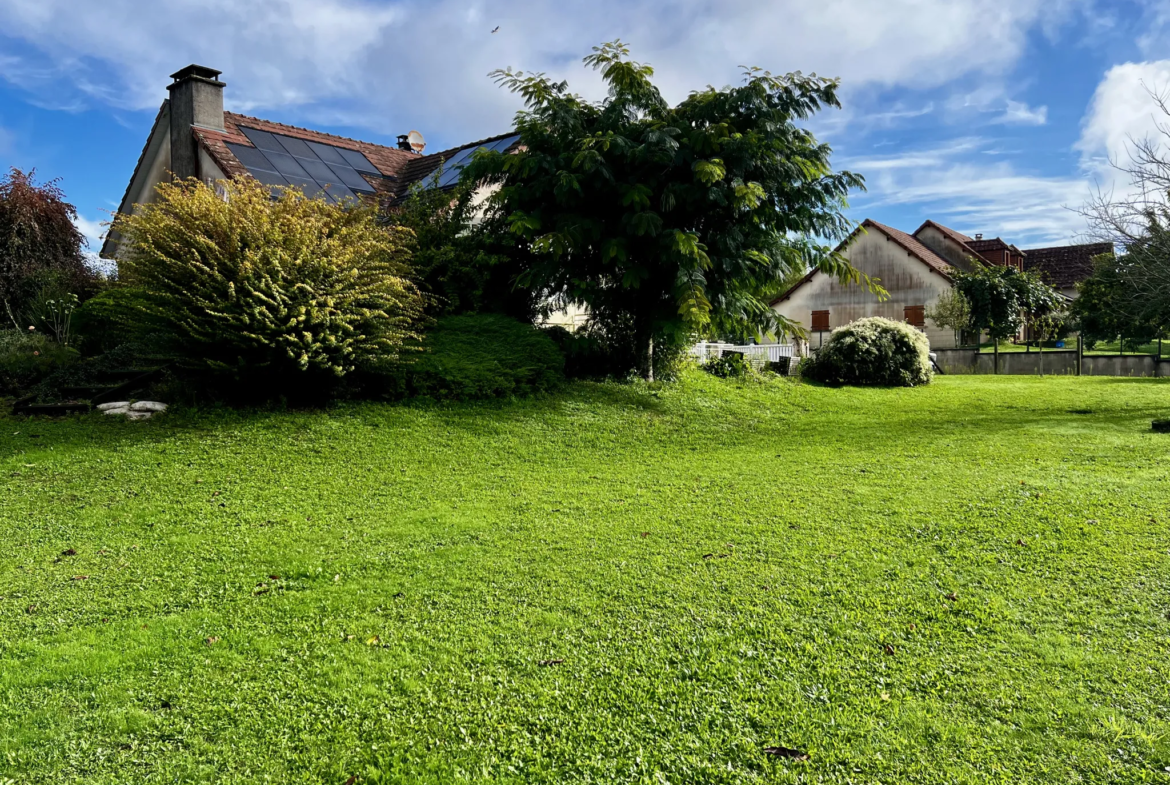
x=480 y=356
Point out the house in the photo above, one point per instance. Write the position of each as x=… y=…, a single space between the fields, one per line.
x=193 y=136
x=1064 y=266
x=915 y=269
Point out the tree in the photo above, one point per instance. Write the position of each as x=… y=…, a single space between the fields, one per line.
x=668 y=221
x=268 y=290
x=1106 y=308
x=1004 y=299
x=40 y=247
x=1136 y=219
x=951 y=311
x=460 y=266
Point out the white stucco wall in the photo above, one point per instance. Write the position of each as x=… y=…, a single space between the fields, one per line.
x=908 y=280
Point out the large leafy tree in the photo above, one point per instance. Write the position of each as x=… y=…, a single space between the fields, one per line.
x=1109 y=303
x=1004 y=299
x=668 y=220
x=39 y=243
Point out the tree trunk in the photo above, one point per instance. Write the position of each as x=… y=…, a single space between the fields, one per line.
x=650 y=360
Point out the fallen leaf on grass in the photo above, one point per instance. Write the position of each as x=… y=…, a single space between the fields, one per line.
x=352 y=779
x=31 y=609
x=953 y=597
x=68 y=552
x=273 y=577
x=212 y=640
x=547 y=663
x=888 y=649
x=80 y=578
x=645 y=534
x=373 y=641
x=260 y=591
x=786 y=752
x=1021 y=543
x=708 y=556
x=885 y=696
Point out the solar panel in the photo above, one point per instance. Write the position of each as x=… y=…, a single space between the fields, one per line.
x=310 y=188
x=296 y=147
x=352 y=179
x=358 y=161
x=330 y=155
x=319 y=169
x=502 y=145
x=262 y=139
x=251 y=157
x=268 y=178
x=285 y=164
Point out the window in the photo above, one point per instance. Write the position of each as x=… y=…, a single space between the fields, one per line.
x=915 y=315
x=820 y=321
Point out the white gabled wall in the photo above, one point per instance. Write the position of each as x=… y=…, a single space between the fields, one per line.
x=908 y=280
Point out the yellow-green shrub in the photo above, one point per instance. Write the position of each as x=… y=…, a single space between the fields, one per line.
x=241 y=282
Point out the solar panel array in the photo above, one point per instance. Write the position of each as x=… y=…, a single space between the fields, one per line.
x=317 y=169
x=454 y=165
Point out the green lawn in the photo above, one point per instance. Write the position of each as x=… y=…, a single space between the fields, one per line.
x=965 y=583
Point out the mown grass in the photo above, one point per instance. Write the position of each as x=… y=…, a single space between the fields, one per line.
x=965 y=583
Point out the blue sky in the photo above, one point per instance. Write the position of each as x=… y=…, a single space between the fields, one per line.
x=992 y=116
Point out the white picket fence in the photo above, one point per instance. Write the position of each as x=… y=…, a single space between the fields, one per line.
x=757 y=354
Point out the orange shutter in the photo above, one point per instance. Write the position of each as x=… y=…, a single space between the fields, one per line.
x=916 y=315
x=820 y=321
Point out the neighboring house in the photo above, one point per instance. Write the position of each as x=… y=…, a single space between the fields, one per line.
x=194 y=137
x=1064 y=266
x=915 y=270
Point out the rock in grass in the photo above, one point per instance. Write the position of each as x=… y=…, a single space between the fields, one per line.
x=106 y=407
x=118 y=411
x=148 y=406
x=1160 y=426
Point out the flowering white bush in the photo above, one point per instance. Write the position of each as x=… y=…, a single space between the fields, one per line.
x=873 y=351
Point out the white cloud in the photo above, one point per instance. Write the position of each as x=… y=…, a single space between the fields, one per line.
x=93 y=231
x=1122 y=110
x=393 y=65
x=975 y=195
x=1019 y=113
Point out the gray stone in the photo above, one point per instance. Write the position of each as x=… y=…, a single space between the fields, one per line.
x=148 y=406
x=120 y=410
x=105 y=407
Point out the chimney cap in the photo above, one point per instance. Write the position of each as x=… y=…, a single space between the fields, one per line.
x=979 y=236
x=198 y=72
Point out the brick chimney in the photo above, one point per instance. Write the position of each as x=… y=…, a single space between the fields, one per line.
x=196 y=101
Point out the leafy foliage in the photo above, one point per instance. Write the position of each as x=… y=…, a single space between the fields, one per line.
x=872 y=351
x=674 y=219
x=248 y=286
x=951 y=311
x=481 y=356
x=731 y=365
x=1110 y=304
x=1003 y=299
x=464 y=269
x=37 y=239
x=28 y=357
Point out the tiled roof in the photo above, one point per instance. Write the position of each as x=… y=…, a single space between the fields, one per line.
x=915 y=248
x=994 y=244
x=1067 y=265
x=958 y=237
x=400 y=168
